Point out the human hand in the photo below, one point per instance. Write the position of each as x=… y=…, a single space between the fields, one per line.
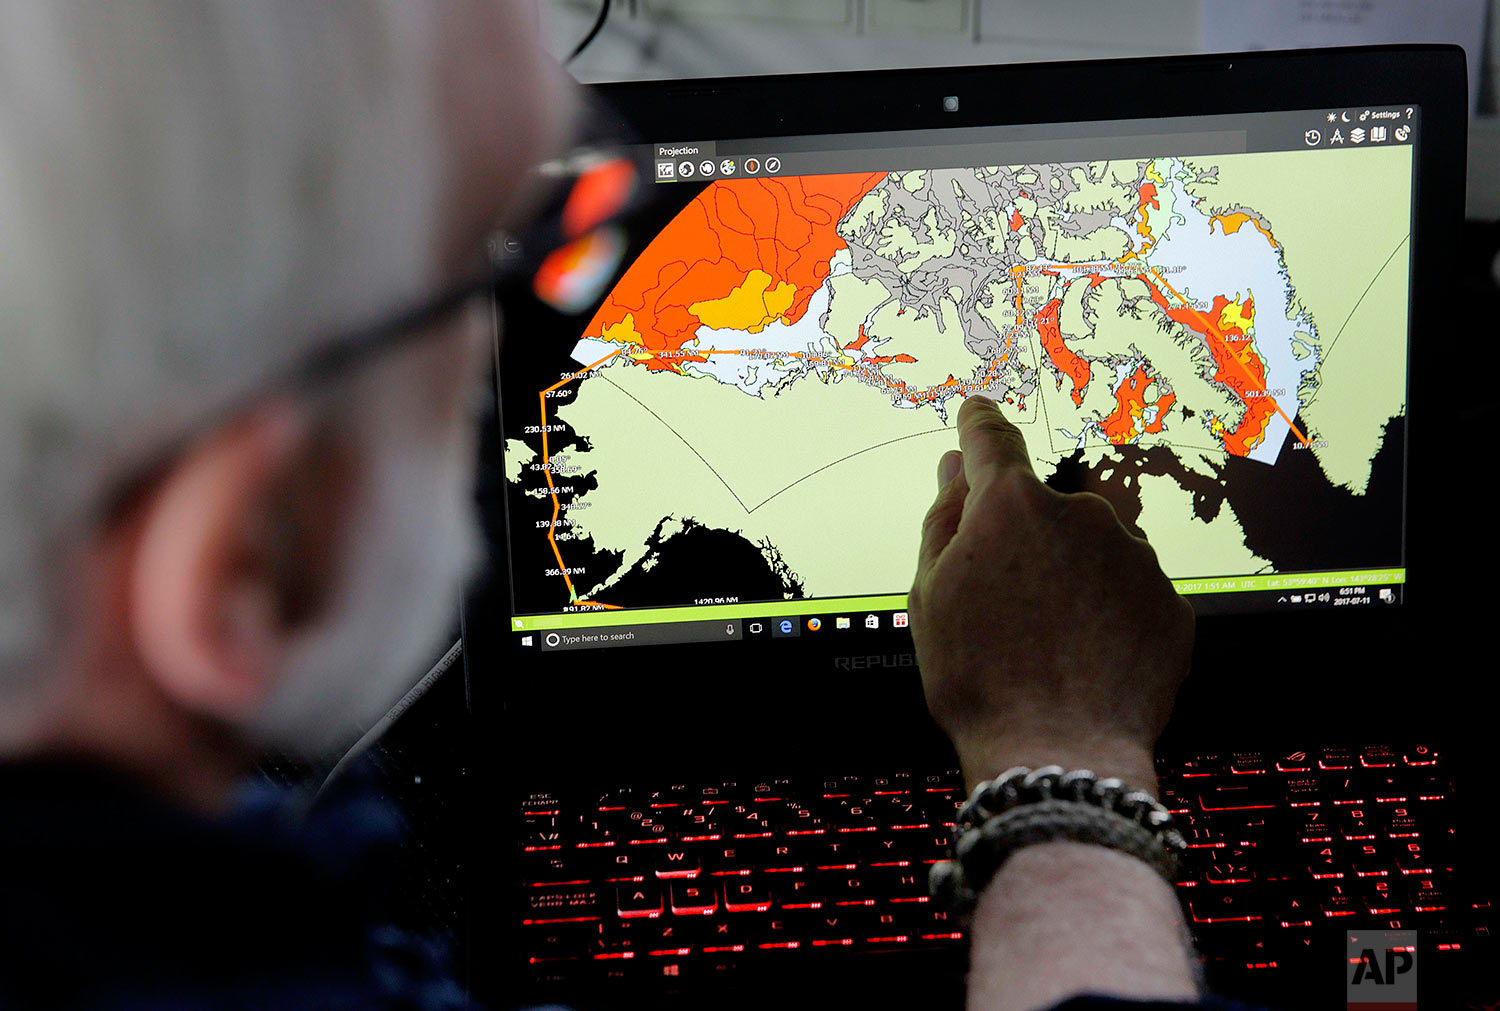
x=1046 y=633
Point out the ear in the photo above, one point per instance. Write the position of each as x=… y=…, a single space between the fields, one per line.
x=205 y=577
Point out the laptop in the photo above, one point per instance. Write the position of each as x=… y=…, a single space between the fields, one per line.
x=1211 y=289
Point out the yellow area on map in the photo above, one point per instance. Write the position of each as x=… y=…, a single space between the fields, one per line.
x=1234 y=315
x=623 y=332
x=749 y=307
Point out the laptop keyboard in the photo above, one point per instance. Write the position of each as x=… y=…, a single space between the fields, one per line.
x=1289 y=847
x=685 y=879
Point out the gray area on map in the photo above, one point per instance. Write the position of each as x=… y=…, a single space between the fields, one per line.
x=970 y=205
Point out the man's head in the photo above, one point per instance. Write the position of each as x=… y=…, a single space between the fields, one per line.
x=192 y=198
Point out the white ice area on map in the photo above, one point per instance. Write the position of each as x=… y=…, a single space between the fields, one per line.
x=1236 y=266
x=753 y=374
x=590 y=349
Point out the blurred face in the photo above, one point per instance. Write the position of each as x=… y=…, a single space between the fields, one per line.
x=407 y=425
x=405 y=437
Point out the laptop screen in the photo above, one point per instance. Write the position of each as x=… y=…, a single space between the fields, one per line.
x=1203 y=319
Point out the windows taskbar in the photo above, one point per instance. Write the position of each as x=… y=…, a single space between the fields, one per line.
x=1279 y=589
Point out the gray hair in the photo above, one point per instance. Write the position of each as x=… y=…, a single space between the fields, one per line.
x=191 y=195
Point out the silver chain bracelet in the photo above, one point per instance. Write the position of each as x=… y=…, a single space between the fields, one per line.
x=1022 y=807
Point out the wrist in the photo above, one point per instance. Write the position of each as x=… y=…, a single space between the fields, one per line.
x=1106 y=756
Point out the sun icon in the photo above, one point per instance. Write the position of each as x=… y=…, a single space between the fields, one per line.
x=1332 y=116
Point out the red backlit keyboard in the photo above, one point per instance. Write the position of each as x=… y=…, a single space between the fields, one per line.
x=715 y=878
x=1289 y=846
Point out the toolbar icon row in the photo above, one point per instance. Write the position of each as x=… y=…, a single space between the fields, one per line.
x=724 y=168
x=1358 y=135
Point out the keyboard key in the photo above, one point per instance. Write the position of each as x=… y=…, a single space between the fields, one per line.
x=747 y=895
x=1248 y=763
x=1294 y=761
x=555 y=942
x=1303 y=791
x=1238 y=795
x=1200 y=766
x=692 y=898
x=562 y=902
x=1419 y=756
x=1339 y=905
x=1223 y=904
x=639 y=901
x=677 y=862
x=1335 y=758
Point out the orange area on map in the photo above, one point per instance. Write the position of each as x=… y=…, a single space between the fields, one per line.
x=1231 y=223
x=707 y=258
x=1239 y=367
x=1061 y=356
x=1016 y=221
x=1147 y=199
x=1130 y=408
x=858 y=342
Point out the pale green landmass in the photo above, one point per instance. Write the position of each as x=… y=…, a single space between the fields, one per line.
x=1186 y=546
x=938 y=355
x=1336 y=238
x=852 y=301
x=797 y=494
x=517 y=456
x=1107 y=243
x=871 y=208
x=1363 y=384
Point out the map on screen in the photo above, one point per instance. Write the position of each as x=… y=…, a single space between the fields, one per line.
x=755 y=412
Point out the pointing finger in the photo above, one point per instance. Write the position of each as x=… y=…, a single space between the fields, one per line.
x=990 y=443
x=942 y=519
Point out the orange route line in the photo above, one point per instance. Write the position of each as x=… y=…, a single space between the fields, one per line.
x=1232 y=356
x=1020 y=270
x=562 y=567
x=552 y=488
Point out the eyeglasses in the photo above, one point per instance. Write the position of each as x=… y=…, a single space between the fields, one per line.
x=569 y=254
